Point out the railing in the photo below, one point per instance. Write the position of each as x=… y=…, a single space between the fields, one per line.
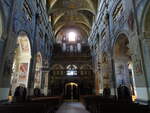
x=72 y=54
x=78 y=72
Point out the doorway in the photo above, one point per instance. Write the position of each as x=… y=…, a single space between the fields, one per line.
x=71 y=91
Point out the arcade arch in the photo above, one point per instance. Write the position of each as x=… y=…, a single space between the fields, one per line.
x=21 y=62
x=124 y=73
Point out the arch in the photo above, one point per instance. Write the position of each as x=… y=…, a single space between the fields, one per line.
x=83 y=19
x=53 y=3
x=71 y=90
x=57 y=67
x=21 y=62
x=122 y=40
x=118 y=34
x=38 y=71
x=71 y=83
x=85 y=24
x=86 y=67
x=91 y=4
x=71 y=67
x=122 y=63
x=24 y=43
x=146 y=21
x=71 y=70
x=58 y=18
x=145 y=44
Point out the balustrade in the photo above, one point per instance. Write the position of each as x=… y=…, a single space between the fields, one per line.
x=64 y=73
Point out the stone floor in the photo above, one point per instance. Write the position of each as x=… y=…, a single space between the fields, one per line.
x=72 y=107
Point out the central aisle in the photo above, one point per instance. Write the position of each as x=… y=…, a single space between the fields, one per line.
x=72 y=107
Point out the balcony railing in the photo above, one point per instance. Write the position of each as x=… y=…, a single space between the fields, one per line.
x=77 y=73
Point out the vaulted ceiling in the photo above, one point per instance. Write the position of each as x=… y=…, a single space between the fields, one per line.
x=72 y=14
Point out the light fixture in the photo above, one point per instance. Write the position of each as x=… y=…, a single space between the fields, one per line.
x=72 y=36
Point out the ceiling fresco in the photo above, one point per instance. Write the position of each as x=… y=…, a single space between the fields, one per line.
x=72 y=14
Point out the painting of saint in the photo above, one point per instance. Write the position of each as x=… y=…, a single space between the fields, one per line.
x=23 y=69
x=38 y=59
x=24 y=44
x=37 y=78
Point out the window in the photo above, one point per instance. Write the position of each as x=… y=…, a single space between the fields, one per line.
x=72 y=70
x=72 y=36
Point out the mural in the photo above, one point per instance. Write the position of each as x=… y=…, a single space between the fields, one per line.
x=24 y=44
x=23 y=71
x=37 y=79
x=38 y=62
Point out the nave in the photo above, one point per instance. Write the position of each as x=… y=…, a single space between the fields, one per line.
x=74 y=56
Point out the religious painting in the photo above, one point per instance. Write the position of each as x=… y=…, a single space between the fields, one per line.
x=37 y=78
x=38 y=59
x=23 y=70
x=38 y=62
x=24 y=44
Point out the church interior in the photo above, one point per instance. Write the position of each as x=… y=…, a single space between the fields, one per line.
x=74 y=56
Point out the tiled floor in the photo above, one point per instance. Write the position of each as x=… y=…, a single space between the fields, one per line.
x=72 y=107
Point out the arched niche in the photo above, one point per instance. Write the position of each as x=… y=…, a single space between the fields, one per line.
x=38 y=71
x=145 y=43
x=123 y=65
x=85 y=67
x=146 y=22
x=21 y=62
x=57 y=69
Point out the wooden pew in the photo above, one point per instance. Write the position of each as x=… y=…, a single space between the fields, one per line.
x=35 y=105
x=101 y=104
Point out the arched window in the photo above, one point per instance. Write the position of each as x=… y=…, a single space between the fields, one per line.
x=71 y=70
x=72 y=36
